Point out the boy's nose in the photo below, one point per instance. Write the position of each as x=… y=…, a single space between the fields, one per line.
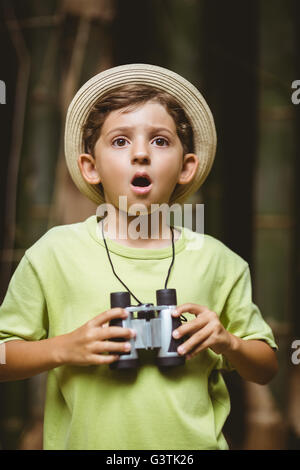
x=140 y=153
x=140 y=158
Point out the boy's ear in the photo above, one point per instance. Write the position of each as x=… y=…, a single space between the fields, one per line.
x=189 y=168
x=87 y=166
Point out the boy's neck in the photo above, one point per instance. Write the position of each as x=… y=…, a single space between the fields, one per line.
x=138 y=231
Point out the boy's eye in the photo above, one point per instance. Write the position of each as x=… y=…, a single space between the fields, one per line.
x=161 y=141
x=119 y=142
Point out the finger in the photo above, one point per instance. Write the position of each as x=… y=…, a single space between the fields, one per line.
x=98 y=359
x=204 y=345
x=108 y=315
x=191 y=327
x=189 y=308
x=111 y=347
x=194 y=341
x=116 y=332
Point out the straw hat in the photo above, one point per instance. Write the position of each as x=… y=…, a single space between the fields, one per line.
x=183 y=91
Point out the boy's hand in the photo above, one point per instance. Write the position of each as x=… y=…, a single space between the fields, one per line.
x=89 y=344
x=254 y=360
x=205 y=331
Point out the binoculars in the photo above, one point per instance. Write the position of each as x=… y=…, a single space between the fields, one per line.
x=154 y=326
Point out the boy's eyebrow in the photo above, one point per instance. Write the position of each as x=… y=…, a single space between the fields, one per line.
x=129 y=128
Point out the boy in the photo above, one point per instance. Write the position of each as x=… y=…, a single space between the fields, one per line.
x=144 y=133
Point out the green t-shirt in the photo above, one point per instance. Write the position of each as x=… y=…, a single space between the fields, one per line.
x=65 y=279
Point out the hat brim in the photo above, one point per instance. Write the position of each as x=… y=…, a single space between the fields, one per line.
x=183 y=91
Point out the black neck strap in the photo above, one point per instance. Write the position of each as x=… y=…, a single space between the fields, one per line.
x=113 y=269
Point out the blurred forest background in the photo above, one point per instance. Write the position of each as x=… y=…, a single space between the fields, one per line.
x=243 y=55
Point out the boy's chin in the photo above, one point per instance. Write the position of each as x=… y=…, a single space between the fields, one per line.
x=138 y=209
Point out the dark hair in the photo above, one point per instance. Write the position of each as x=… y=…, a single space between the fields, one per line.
x=132 y=95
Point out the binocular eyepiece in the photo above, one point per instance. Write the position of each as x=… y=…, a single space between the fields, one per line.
x=154 y=326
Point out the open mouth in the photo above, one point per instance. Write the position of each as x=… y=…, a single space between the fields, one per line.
x=141 y=181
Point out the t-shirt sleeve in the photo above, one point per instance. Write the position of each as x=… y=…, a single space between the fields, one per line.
x=242 y=317
x=23 y=313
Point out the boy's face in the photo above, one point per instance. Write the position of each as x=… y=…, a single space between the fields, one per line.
x=139 y=155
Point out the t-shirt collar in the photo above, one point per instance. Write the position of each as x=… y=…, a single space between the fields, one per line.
x=131 y=252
